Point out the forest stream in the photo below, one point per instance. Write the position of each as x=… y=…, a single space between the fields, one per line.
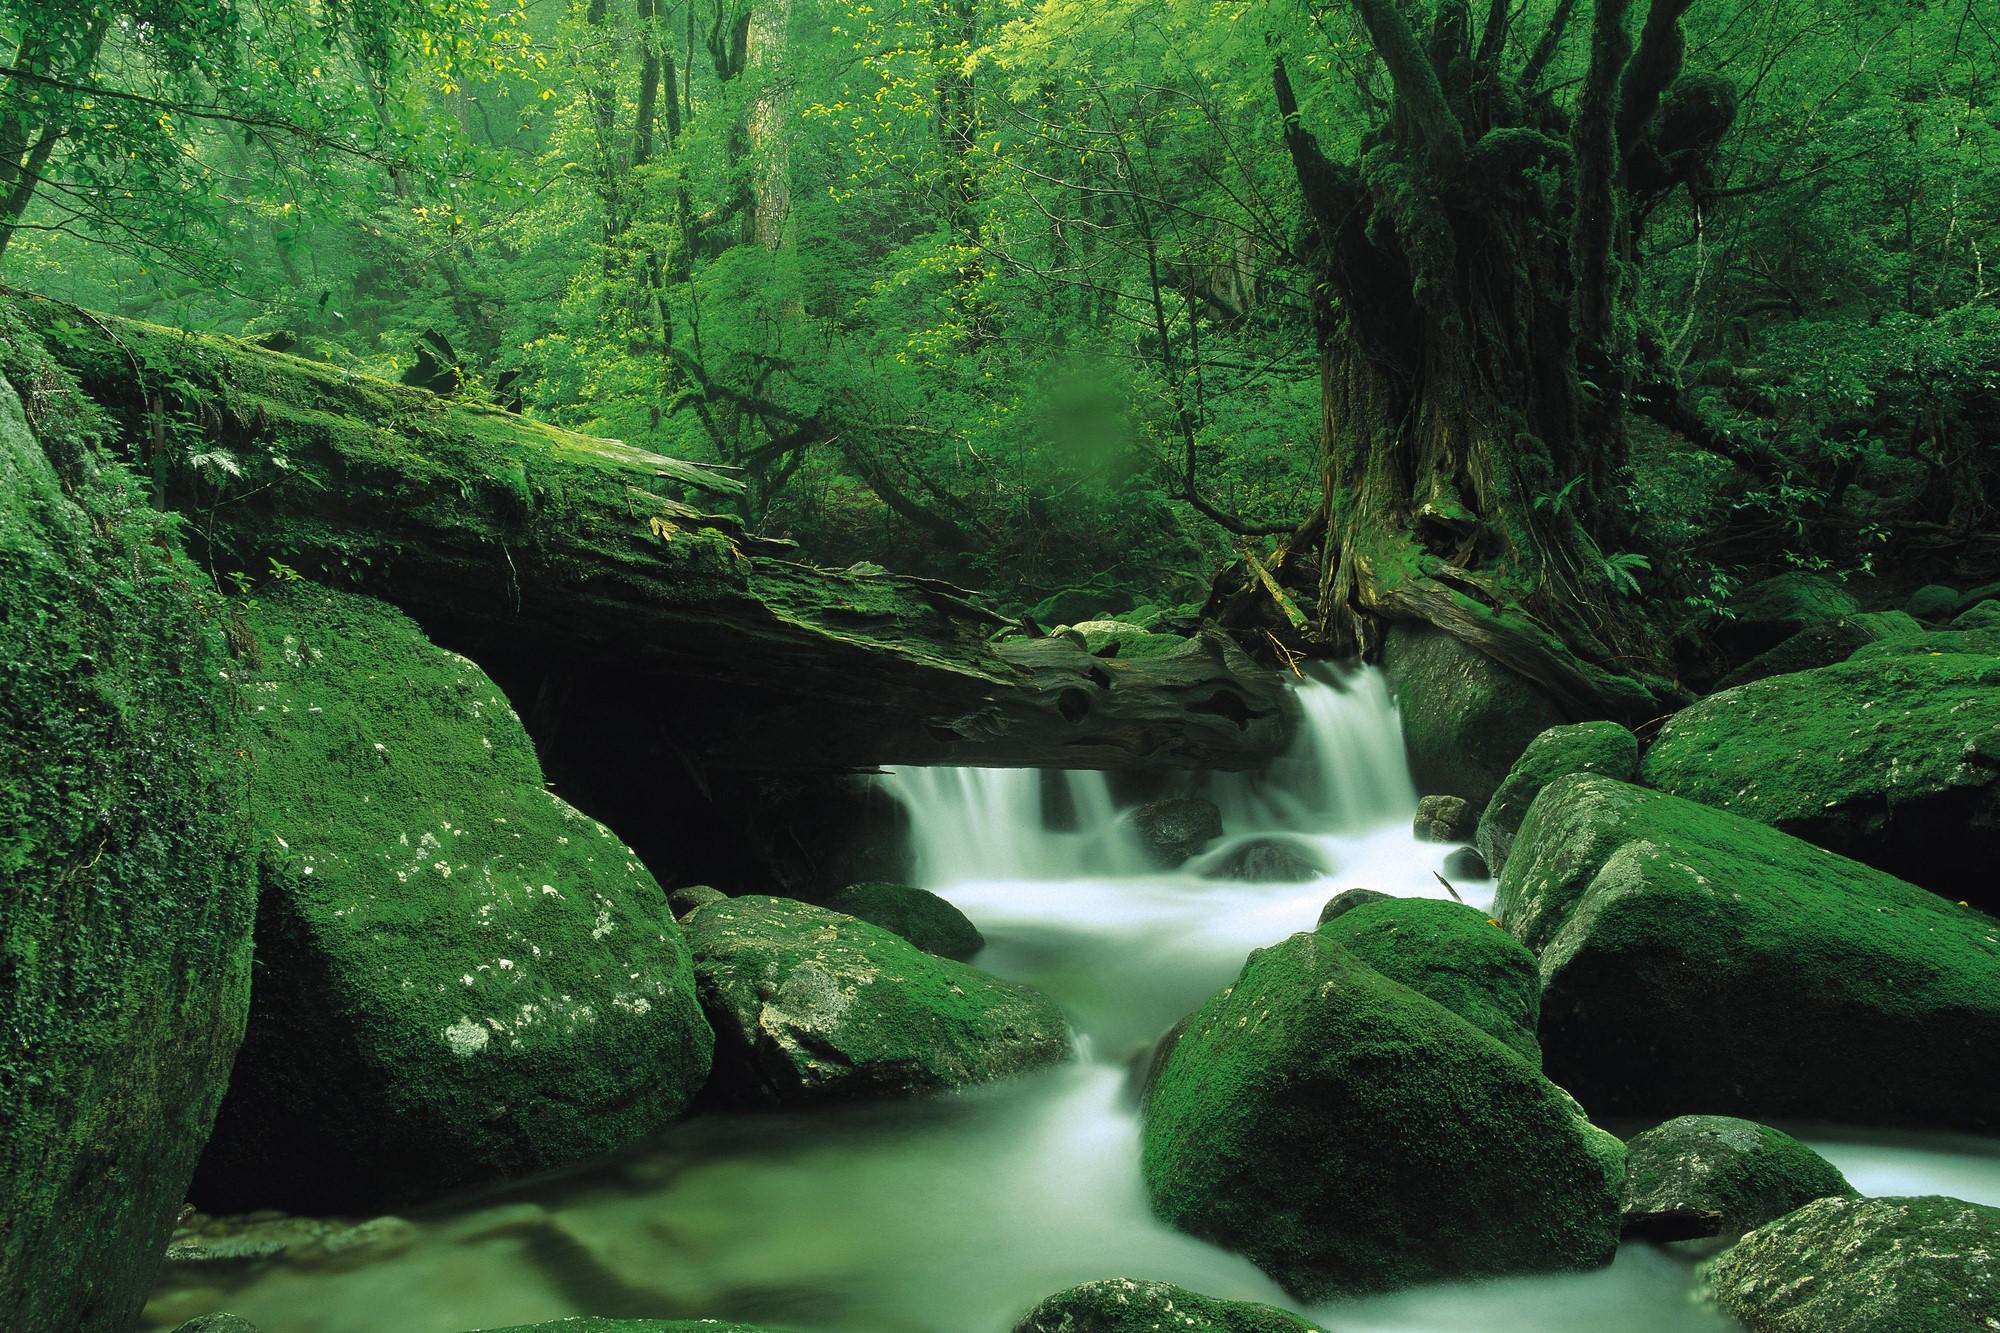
x=955 y=1214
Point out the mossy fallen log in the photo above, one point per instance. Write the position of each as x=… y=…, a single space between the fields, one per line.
x=512 y=540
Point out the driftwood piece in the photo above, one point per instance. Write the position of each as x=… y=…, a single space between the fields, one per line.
x=512 y=539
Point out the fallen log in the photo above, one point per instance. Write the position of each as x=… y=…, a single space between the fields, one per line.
x=536 y=550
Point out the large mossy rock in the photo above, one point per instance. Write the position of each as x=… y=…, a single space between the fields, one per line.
x=1701 y=1176
x=1937 y=642
x=1824 y=644
x=1766 y=613
x=1455 y=954
x=1893 y=761
x=126 y=886
x=1916 y=1265
x=1121 y=1305
x=1586 y=747
x=460 y=978
x=1349 y=1134
x=1691 y=957
x=919 y=916
x=1466 y=718
x=811 y=1006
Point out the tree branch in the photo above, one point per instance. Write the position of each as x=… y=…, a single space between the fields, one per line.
x=1656 y=65
x=1415 y=80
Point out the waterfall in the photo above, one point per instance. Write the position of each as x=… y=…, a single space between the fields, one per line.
x=1344 y=772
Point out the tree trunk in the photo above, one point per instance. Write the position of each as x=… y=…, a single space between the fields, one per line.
x=1474 y=357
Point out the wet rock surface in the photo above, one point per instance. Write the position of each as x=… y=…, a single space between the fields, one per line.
x=1701 y=1176
x=1121 y=1305
x=1915 y=1265
x=811 y=1005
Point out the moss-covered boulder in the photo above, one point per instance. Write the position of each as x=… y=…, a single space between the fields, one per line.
x=1348 y=1134
x=1982 y=615
x=1348 y=899
x=1934 y=602
x=1915 y=1265
x=1824 y=644
x=218 y=1323
x=1691 y=957
x=1766 y=613
x=126 y=887
x=1937 y=642
x=1455 y=954
x=1444 y=819
x=692 y=897
x=811 y=1005
x=1124 y=639
x=1700 y=1176
x=1893 y=761
x=1466 y=718
x=460 y=977
x=1121 y=1305
x=1586 y=747
x=919 y=916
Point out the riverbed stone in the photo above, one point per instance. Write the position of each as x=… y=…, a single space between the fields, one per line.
x=1458 y=956
x=1445 y=819
x=919 y=916
x=1175 y=828
x=1694 y=958
x=1348 y=1134
x=126 y=881
x=1926 y=1264
x=461 y=978
x=1466 y=718
x=1122 y=1305
x=811 y=1005
x=587 y=1324
x=1702 y=1176
x=1893 y=761
x=1584 y=747
x=1268 y=861
x=220 y=1322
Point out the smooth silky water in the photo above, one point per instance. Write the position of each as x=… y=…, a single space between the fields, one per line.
x=955 y=1214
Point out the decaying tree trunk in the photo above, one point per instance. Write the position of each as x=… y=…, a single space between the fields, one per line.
x=1475 y=347
x=575 y=556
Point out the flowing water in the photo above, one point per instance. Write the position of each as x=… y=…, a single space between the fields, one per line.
x=954 y=1215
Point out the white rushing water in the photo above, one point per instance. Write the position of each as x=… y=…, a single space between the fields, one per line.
x=954 y=1215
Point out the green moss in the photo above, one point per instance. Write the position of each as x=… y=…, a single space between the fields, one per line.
x=1348 y=1134
x=1712 y=1175
x=1915 y=1265
x=1120 y=1305
x=1894 y=761
x=1456 y=955
x=810 y=1005
x=461 y=978
x=922 y=918
x=1690 y=957
x=1587 y=747
x=125 y=924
